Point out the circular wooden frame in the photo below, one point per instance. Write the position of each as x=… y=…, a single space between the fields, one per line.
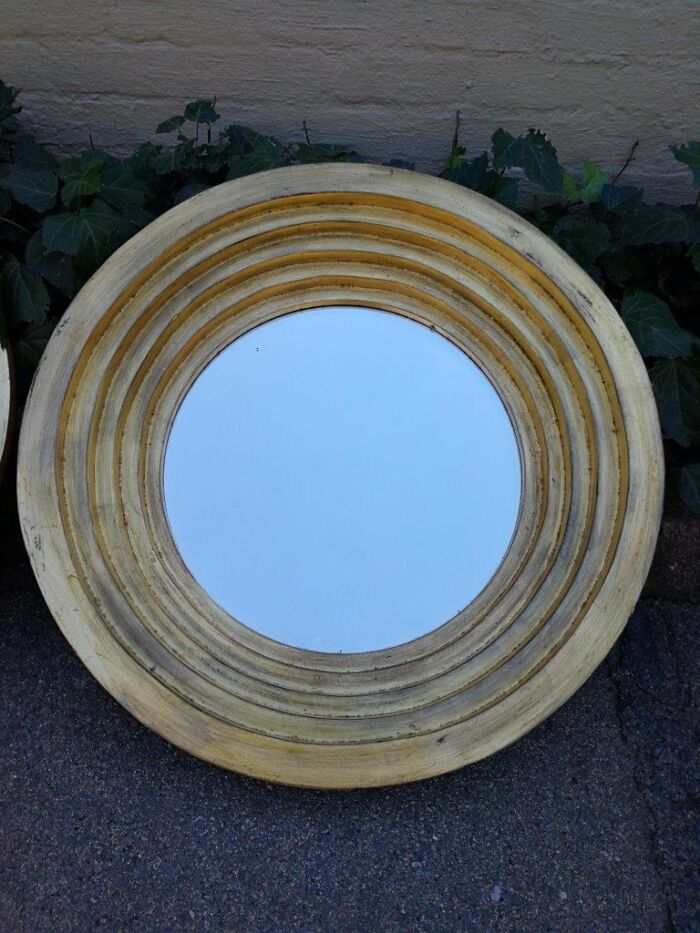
x=139 y=333
x=5 y=405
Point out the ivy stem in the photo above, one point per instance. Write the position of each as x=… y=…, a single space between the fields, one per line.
x=213 y=104
x=629 y=158
x=14 y=223
x=306 y=133
x=455 y=137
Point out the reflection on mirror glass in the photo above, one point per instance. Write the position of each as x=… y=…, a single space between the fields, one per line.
x=342 y=479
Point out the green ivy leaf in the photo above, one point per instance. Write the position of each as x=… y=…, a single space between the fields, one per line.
x=239 y=166
x=455 y=157
x=251 y=151
x=26 y=297
x=209 y=157
x=80 y=180
x=570 y=188
x=626 y=264
x=36 y=188
x=171 y=124
x=31 y=345
x=8 y=96
x=10 y=126
x=471 y=173
x=189 y=191
x=476 y=175
x=502 y=189
x=676 y=385
x=593 y=180
x=140 y=162
x=694 y=253
x=533 y=153
x=661 y=223
x=654 y=328
x=258 y=154
x=165 y=161
x=99 y=222
x=583 y=239
x=244 y=139
x=687 y=483
x=122 y=188
x=98 y=157
x=55 y=268
x=31 y=155
x=201 y=111
x=689 y=153
x=132 y=220
x=62 y=233
x=619 y=199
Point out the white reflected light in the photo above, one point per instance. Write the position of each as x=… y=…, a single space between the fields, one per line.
x=342 y=479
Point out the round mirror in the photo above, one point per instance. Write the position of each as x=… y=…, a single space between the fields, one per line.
x=342 y=479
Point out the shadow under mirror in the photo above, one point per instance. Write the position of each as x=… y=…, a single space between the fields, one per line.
x=342 y=479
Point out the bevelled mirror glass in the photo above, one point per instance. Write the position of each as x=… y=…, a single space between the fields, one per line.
x=342 y=479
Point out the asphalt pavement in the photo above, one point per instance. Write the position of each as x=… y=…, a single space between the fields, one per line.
x=589 y=823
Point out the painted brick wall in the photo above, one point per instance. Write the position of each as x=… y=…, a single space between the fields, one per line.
x=384 y=75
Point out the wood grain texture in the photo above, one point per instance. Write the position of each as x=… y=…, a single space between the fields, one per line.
x=135 y=338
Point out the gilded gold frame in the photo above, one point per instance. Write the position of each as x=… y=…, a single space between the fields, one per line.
x=139 y=333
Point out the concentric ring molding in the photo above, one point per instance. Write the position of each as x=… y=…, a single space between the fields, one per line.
x=135 y=338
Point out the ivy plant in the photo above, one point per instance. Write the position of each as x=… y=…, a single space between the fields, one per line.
x=60 y=218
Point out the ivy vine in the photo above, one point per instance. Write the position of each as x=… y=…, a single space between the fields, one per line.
x=61 y=218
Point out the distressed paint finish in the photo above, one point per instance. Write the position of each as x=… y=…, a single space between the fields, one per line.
x=133 y=341
x=5 y=405
x=386 y=77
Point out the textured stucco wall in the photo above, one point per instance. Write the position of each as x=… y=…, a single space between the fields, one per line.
x=384 y=75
